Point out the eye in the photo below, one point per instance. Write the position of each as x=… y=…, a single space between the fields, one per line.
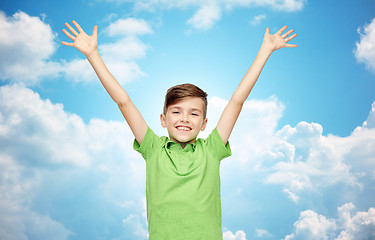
x=195 y=114
x=175 y=112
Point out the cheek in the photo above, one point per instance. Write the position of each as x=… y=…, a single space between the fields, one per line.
x=198 y=122
x=169 y=120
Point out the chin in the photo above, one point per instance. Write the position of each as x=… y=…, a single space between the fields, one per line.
x=185 y=140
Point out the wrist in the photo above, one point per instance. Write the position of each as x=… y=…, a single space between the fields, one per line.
x=93 y=54
x=264 y=49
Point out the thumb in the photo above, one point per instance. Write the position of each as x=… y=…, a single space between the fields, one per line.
x=95 y=30
x=267 y=33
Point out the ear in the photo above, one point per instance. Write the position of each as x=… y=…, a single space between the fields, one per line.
x=204 y=124
x=163 y=120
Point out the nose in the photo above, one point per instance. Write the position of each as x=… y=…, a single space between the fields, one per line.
x=184 y=118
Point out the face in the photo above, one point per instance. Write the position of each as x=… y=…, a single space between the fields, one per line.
x=184 y=120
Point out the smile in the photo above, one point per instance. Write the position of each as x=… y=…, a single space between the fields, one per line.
x=183 y=128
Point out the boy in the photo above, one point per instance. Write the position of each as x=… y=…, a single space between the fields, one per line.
x=182 y=172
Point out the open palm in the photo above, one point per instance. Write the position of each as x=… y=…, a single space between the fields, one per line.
x=277 y=41
x=84 y=43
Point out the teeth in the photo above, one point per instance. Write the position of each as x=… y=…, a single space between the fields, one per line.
x=183 y=128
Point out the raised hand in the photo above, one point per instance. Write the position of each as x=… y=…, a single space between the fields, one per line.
x=84 y=43
x=277 y=41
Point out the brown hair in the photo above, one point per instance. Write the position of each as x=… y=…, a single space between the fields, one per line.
x=179 y=92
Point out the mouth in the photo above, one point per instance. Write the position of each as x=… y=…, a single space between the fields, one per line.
x=183 y=128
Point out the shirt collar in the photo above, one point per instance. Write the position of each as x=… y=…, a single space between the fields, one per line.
x=190 y=147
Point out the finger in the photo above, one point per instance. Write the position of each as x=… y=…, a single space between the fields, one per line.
x=77 y=26
x=290 y=38
x=67 y=44
x=287 y=33
x=267 y=33
x=281 y=30
x=71 y=29
x=291 y=45
x=95 y=30
x=69 y=35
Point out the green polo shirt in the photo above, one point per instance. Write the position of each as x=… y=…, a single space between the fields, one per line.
x=183 y=187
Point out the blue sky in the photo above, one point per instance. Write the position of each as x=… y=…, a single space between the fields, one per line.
x=303 y=148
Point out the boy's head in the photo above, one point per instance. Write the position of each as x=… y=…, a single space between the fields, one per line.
x=184 y=113
x=179 y=92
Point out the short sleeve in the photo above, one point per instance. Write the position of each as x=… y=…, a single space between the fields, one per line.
x=149 y=144
x=216 y=145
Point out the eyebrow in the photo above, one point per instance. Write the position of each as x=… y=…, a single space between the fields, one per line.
x=179 y=108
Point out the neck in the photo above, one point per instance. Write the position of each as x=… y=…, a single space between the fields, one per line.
x=183 y=144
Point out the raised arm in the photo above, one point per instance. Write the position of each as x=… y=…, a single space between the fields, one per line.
x=231 y=112
x=88 y=45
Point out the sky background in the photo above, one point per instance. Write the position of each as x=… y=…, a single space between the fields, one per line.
x=303 y=162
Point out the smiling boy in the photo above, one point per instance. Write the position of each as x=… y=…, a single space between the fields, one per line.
x=184 y=113
x=182 y=172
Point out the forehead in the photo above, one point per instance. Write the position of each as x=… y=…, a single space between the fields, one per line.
x=189 y=103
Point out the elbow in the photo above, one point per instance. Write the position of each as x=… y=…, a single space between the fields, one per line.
x=237 y=101
x=122 y=100
x=121 y=103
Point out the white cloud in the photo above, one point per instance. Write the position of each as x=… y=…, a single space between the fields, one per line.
x=370 y=122
x=358 y=148
x=129 y=26
x=125 y=49
x=365 y=48
x=262 y=233
x=209 y=11
x=205 y=17
x=258 y=19
x=285 y=5
x=347 y=226
x=17 y=221
x=281 y=5
x=26 y=44
x=258 y=120
x=359 y=226
x=313 y=226
x=49 y=157
x=239 y=235
x=119 y=56
x=79 y=70
x=300 y=159
x=134 y=227
x=30 y=124
x=306 y=160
